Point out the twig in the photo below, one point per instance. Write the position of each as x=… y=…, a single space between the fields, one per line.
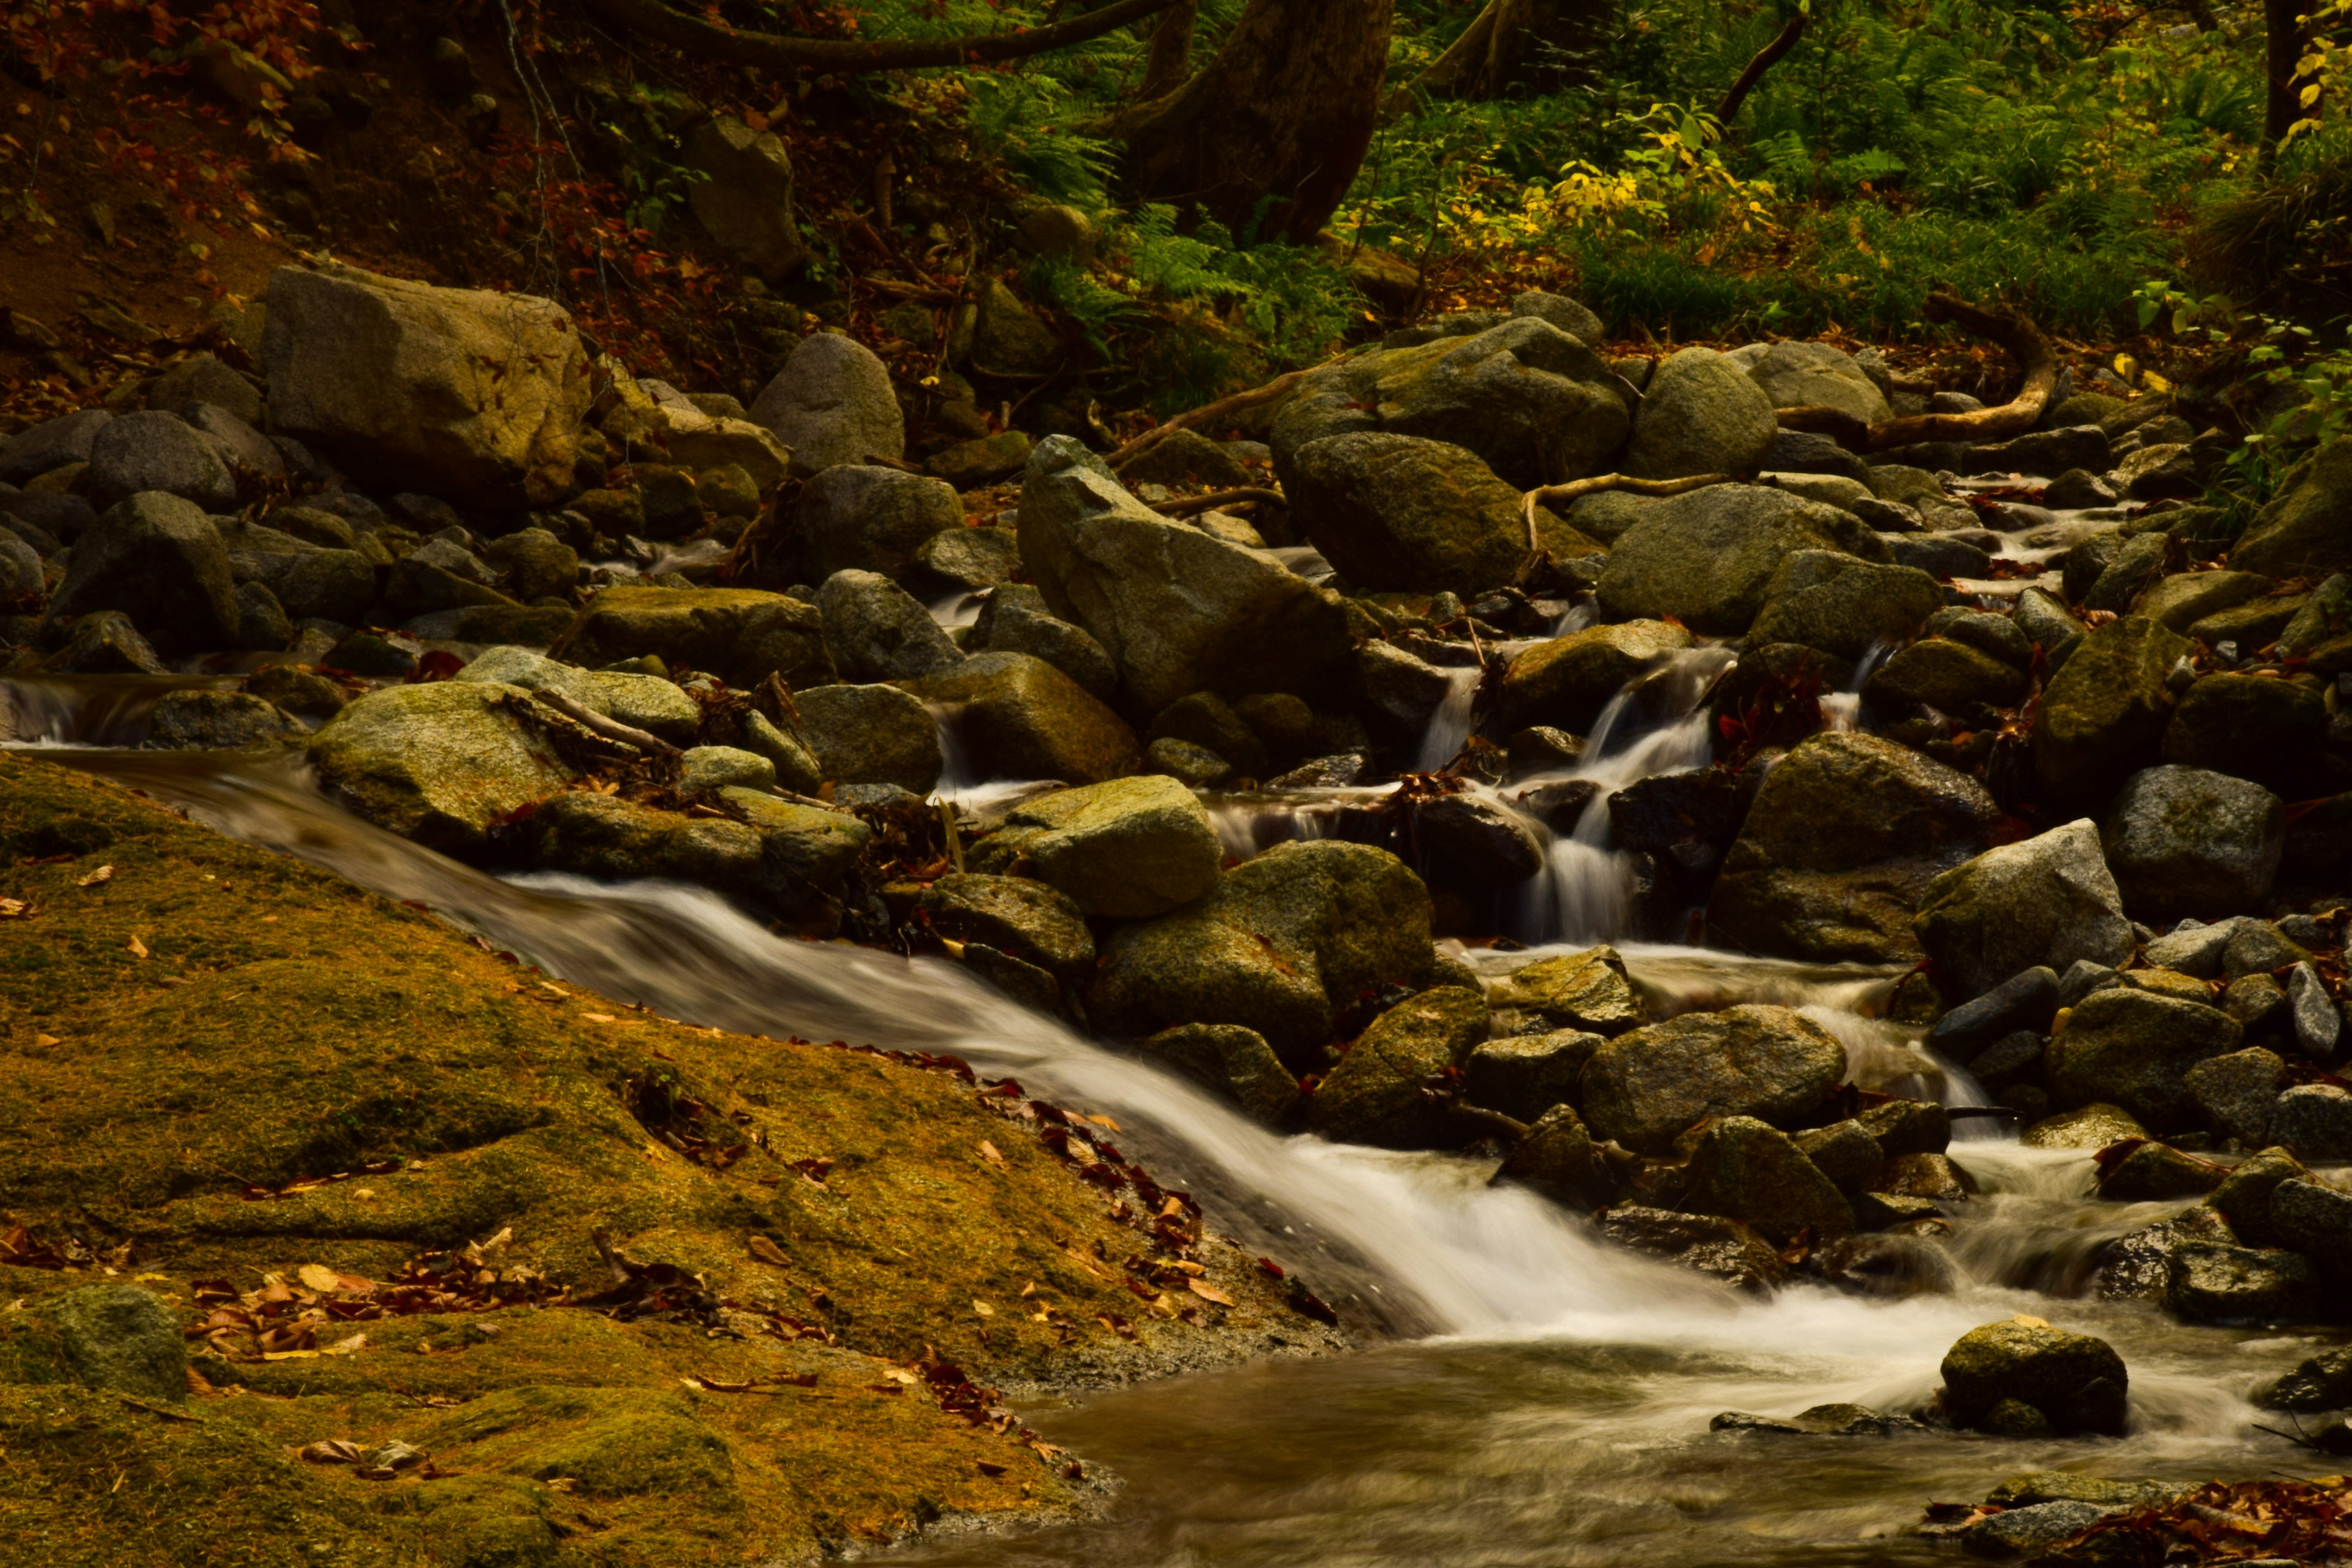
x=1547 y=494
x=1185 y=506
x=1203 y=416
x=610 y=729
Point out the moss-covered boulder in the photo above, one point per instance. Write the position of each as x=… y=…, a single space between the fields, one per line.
x=1234 y=1061
x=2075 y=1383
x=1705 y=559
x=443 y=763
x=1565 y=681
x=1558 y=1159
x=1700 y=413
x=1525 y=1076
x=1947 y=674
x=2049 y=900
x=1397 y=511
x=2303 y=531
x=1828 y=600
x=594 y=835
x=870 y=735
x=1374 y=1094
x=1035 y=922
x=1744 y=1169
x=2102 y=716
x=1644 y=1088
x=220 y=722
x=2255 y=727
x=1014 y=716
x=1587 y=990
x=1129 y=848
x=113 y=1336
x=740 y=635
x=2130 y=1049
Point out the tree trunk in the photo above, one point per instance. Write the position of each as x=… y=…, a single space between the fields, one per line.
x=1171 y=60
x=1515 y=43
x=2282 y=49
x=1267 y=136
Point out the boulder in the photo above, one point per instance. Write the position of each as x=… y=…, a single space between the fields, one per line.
x=591 y=835
x=1009 y=339
x=2049 y=900
x=1184 y=459
x=646 y=702
x=744 y=198
x=1207 y=720
x=471 y=396
x=2322 y=1382
x=2130 y=1049
x=878 y=631
x=1724 y=1250
x=1830 y=600
x=1129 y=848
x=2252 y=726
x=723 y=767
x=158 y=451
x=2033 y=1530
x=2076 y=1383
x=2092 y=1127
x=219 y=722
x=1840 y=847
x=1566 y=314
x=1987 y=632
x=1707 y=559
x=1947 y=674
x=805 y=853
x=1700 y=414
x=832 y=403
x=866 y=518
x=1015 y=620
x=2183 y=841
x=2301 y=533
x=1032 y=921
x=1280 y=945
x=1743 y=1169
x=2185 y=598
x=1236 y=1062
x=159 y=560
x=2234 y=1094
x=1392 y=511
x=740 y=635
x=1558 y=1159
x=1177 y=609
x=2102 y=716
x=120 y=1337
x=871 y=735
x=1567 y=680
x=1017 y=717
x=2211 y=1282
x=52 y=444
x=1644 y=1088
x=1808 y=375
x=1525 y=1076
x=2314 y=1119
x=104 y=643
x=536 y=565
x=1588 y=991
x=537 y=672
x=2023 y=1004
x=2244 y=1196
x=1471 y=846
x=972 y=558
x=1532 y=402
x=441 y=763
x=1373 y=1095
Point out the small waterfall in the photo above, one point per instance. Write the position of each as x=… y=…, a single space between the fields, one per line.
x=1449 y=721
x=89 y=711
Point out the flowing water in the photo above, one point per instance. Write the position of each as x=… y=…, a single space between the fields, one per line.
x=1537 y=1397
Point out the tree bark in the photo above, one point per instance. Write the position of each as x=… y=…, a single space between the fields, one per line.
x=1170 y=61
x=2283 y=48
x=1766 y=58
x=848 y=57
x=1267 y=136
x=1513 y=43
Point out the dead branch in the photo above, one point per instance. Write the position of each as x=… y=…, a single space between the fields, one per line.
x=2013 y=331
x=845 y=56
x=1549 y=494
x=1217 y=410
x=610 y=729
x=1766 y=58
x=1185 y=506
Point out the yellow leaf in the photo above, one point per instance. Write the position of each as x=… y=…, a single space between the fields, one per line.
x=988 y=1153
x=598 y=1017
x=103 y=874
x=1209 y=1292
x=983 y=1308
x=767 y=1251
x=317 y=1275
x=45 y=1041
x=138 y=948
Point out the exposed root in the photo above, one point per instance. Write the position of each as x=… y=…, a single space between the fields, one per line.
x=2020 y=337
x=1548 y=494
x=1217 y=410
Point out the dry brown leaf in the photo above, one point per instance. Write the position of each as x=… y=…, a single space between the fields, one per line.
x=1208 y=1293
x=332 y=1451
x=15 y=909
x=988 y=1151
x=103 y=874
x=767 y=1251
x=983 y=1308
x=45 y=1041
x=598 y=1017
x=138 y=948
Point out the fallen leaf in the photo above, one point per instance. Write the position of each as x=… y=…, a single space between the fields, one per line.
x=331 y=1451
x=103 y=874
x=983 y=1308
x=317 y=1275
x=986 y=1468
x=349 y=1346
x=598 y=1017
x=15 y=909
x=1208 y=1293
x=45 y=1041
x=138 y=948
x=767 y=1251
x=988 y=1153
x=1104 y=1121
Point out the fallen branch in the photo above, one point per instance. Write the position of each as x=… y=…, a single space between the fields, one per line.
x=1766 y=58
x=846 y=57
x=1548 y=494
x=610 y=729
x=2020 y=337
x=1217 y=410
x=1185 y=506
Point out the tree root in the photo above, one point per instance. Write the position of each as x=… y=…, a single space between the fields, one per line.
x=2020 y=337
x=1185 y=506
x=1548 y=494
x=1203 y=416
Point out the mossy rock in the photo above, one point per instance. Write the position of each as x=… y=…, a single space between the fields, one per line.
x=441 y=763
x=1374 y=1096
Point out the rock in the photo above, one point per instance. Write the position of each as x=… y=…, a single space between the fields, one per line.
x=1908 y=1127
x=2136 y=568
x=1008 y=339
x=1016 y=717
x=1588 y=991
x=2025 y=1002
x=1830 y=600
x=1830 y=489
x=2137 y=1265
x=590 y=835
x=2233 y=1094
x=158 y=451
x=871 y=734
x=739 y=635
x=865 y=518
x=973 y=559
x=159 y=560
x=2030 y=1530
x=2314 y=1119
x=805 y=853
x=2156 y=1172
x=1534 y=403
x=1743 y=1169
x=2091 y=1126
x=1802 y=452
x=1567 y=680
x=1941 y=555
x=261 y=622
x=53 y=444
x=2315 y=1220
x=647 y=703
x=2242 y=1285
x=537 y=565
x=1401 y=512
x=1557 y=1159
x=2102 y=716
x=1280 y=945
x=2255 y=727
x=1235 y=1061
x=1562 y=311
x=220 y=722
x=982 y=461
x=2301 y=533
x=1845 y=1151
x=1948 y=676
x=1178 y=610
x=1034 y=921
x=120 y=1337
x=1726 y=1249
x=2318 y=1022
x=2130 y=1049
x=472 y=395
x=1644 y=1088
x=2182 y=841
x=2322 y=1382
x=440 y=763
x=1803 y=375
x=1206 y=721
x=1129 y=848
x=536 y=672
x=2244 y=1196
x=1373 y=1095
x=2077 y=1383
x=744 y=199
x=1184 y=459
x=1987 y=633
x=876 y=630
x=1195 y=766
x=1700 y=414
x=1707 y=559
x=832 y=403
x=1841 y=844
x=1525 y=1076
x=2079 y=489
x=2049 y=900
x=723 y=767
x=1471 y=846
x=2185 y=598
x=303 y=692
x=1015 y=620
x=2193 y=948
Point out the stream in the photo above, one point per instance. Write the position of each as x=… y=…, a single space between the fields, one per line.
x=1535 y=1396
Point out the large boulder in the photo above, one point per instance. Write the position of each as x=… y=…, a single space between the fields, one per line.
x=2212 y=1282
x=1015 y=620
x=325 y=585
x=2102 y=715
x=1813 y=375
x=1235 y=1061
x=744 y=198
x=1700 y=414
x=1525 y=1076
x=1129 y=848
x=1034 y=921
x=118 y=1337
x=871 y=735
x=1531 y=401
x=2182 y=841
x=1997 y=1377
x=1588 y=990
x=1280 y=946
x=1567 y=680
x=1840 y=847
x=805 y=851
x=1645 y=1087
x=740 y=635
x=1017 y=717
x=159 y=451
x=832 y=403
x=443 y=763
x=1744 y=1169
x=592 y=835
x=2306 y=530
x=1374 y=1094
x=460 y=393
x=2256 y=726
x=1405 y=512
x=2132 y=1048
x=864 y=517
x=878 y=631
x=2049 y=900
x=1707 y=559
x=1830 y=600
x=1178 y=610
x=52 y=444
x=159 y=560
x=219 y=722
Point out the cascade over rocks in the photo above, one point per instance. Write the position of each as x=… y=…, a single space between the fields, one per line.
x=1568 y=680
